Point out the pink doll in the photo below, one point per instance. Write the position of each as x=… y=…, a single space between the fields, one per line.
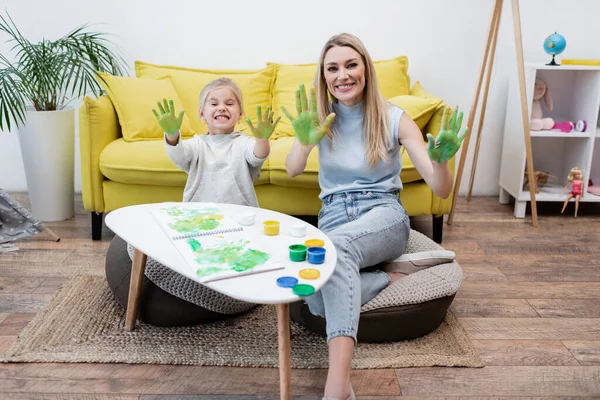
x=576 y=180
x=538 y=122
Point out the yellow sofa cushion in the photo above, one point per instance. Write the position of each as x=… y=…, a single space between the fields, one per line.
x=134 y=99
x=147 y=163
x=418 y=108
x=254 y=84
x=418 y=90
x=392 y=78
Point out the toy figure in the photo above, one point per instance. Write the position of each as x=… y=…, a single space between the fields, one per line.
x=541 y=179
x=576 y=180
x=538 y=122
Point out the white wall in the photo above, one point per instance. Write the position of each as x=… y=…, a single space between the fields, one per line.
x=444 y=41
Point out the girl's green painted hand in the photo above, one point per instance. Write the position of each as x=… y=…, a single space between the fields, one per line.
x=167 y=120
x=448 y=140
x=265 y=125
x=306 y=124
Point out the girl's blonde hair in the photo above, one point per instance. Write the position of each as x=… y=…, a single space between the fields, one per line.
x=376 y=116
x=573 y=172
x=219 y=83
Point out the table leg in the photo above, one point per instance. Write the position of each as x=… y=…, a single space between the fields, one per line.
x=135 y=286
x=285 y=362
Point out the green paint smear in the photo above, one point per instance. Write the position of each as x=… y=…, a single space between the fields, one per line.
x=194 y=244
x=194 y=221
x=234 y=256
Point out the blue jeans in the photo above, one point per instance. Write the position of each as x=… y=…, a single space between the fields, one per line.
x=367 y=228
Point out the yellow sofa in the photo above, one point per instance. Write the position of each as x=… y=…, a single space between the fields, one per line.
x=123 y=159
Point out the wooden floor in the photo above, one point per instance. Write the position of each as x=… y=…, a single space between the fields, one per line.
x=530 y=301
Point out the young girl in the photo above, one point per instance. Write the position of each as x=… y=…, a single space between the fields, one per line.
x=221 y=166
x=361 y=213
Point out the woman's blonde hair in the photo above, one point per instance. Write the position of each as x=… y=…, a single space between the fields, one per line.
x=573 y=172
x=376 y=116
x=219 y=83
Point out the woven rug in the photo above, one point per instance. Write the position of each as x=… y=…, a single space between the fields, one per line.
x=83 y=323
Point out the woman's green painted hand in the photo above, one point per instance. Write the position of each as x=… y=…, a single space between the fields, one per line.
x=448 y=140
x=167 y=120
x=306 y=124
x=265 y=125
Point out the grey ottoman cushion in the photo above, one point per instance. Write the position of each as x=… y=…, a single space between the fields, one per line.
x=412 y=307
x=156 y=306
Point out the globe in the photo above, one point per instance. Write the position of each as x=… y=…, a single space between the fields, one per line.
x=554 y=45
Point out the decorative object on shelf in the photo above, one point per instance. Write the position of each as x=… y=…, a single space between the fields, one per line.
x=538 y=122
x=564 y=126
x=576 y=182
x=568 y=126
x=36 y=90
x=554 y=45
x=572 y=61
x=541 y=178
x=581 y=126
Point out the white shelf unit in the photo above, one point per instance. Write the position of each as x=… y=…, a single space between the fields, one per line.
x=576 y=96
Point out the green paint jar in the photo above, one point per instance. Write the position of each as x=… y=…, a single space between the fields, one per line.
x=297 y=252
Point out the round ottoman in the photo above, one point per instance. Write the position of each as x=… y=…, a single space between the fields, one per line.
x=157 y=306
x=412 y=307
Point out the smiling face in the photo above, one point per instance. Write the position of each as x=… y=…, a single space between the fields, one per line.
x=344 y=73
x=221 y=111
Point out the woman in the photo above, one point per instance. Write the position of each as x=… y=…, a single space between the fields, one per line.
x=359 y=176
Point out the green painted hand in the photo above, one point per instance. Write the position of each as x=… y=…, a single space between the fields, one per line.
x=448 y=140
x=167 y=120
x=306 y=124
x=265 y=125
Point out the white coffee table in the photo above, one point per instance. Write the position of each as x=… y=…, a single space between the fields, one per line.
x=137 y=226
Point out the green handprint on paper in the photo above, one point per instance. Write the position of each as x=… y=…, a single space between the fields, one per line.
x=167 y=120
x=306 y=124
x=265 y=125
x=448 y=140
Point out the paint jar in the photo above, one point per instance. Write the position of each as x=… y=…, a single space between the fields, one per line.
x=309 y=273
x=314 y=243
x=316 y=255
x=298 y=230
x=297 y=252
x=247 y=218
x=271 y=228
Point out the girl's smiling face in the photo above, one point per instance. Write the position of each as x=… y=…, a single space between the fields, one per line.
x=221 y=111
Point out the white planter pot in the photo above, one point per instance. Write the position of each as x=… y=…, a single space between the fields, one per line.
x=48 y=147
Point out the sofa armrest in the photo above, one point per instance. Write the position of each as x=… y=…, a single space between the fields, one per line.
x=440 y=206
x=98 y=126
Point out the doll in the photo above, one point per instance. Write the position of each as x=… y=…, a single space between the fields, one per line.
x=538 y=122
x=576 y=180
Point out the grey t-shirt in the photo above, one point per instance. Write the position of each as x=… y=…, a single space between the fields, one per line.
x=221 y=168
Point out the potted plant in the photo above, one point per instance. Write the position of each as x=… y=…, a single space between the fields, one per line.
x=35 y=91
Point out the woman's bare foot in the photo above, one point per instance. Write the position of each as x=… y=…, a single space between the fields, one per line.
x=394 y=276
